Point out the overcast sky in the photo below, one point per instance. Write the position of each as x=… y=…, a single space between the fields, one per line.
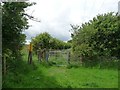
x=57 y=15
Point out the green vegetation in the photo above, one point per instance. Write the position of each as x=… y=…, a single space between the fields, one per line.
x=52 y=75
x=14 y=21
x=45 y=40
x=40 y=76
x=94 y=54
x=97 y=40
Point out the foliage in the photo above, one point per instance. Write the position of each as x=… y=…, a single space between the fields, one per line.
x=99 y=37
x=41 y=40
x=61 y=77
x=45 y=40
x=13 y=23
x=107 y=39
x=37 y=75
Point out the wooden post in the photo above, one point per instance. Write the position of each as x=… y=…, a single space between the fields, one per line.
x=68 y=54
x=81 y=60
x=56 y=54
x=4 y=65
x=30 y=54
x=47 y=55
x=39 y=55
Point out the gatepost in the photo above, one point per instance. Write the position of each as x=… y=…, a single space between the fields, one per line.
x=30 y=54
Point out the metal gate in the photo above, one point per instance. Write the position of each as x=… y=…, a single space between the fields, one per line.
x=59 y=57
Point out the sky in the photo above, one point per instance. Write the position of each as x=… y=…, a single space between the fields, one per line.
x=57 y=15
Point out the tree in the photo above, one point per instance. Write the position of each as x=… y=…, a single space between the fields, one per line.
x=45 y=40
x=13 y=23
x=107 y=36
x=98 y=37
x=41 y=41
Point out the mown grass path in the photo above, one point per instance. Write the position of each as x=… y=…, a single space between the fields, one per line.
x=63 y=77
x=82 y=77
x=45 y=76
x=40 y=76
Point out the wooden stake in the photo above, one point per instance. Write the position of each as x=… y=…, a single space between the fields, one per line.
x=4 y=65
x=30 y=54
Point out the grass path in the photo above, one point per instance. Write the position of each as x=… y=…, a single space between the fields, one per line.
x=43 y=76
x=83 y=77
x=53 y=76
x=62 y=77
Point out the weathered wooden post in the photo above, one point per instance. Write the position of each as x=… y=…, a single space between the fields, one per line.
x=40 y=51
x=30 y=54
x=47 y=55
x=4 y=64
x=68 y=59
x=56 y=54
x=39 y=54
x=81 y=60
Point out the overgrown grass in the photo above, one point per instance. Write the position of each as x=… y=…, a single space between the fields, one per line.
x=61 y=77
x=44 y=75
x=84 y=77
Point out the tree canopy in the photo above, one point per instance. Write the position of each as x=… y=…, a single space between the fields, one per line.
x=45 y=40
x=14 y=22
x=98 y=37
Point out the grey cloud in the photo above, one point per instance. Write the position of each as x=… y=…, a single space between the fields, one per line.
x=57 y=15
